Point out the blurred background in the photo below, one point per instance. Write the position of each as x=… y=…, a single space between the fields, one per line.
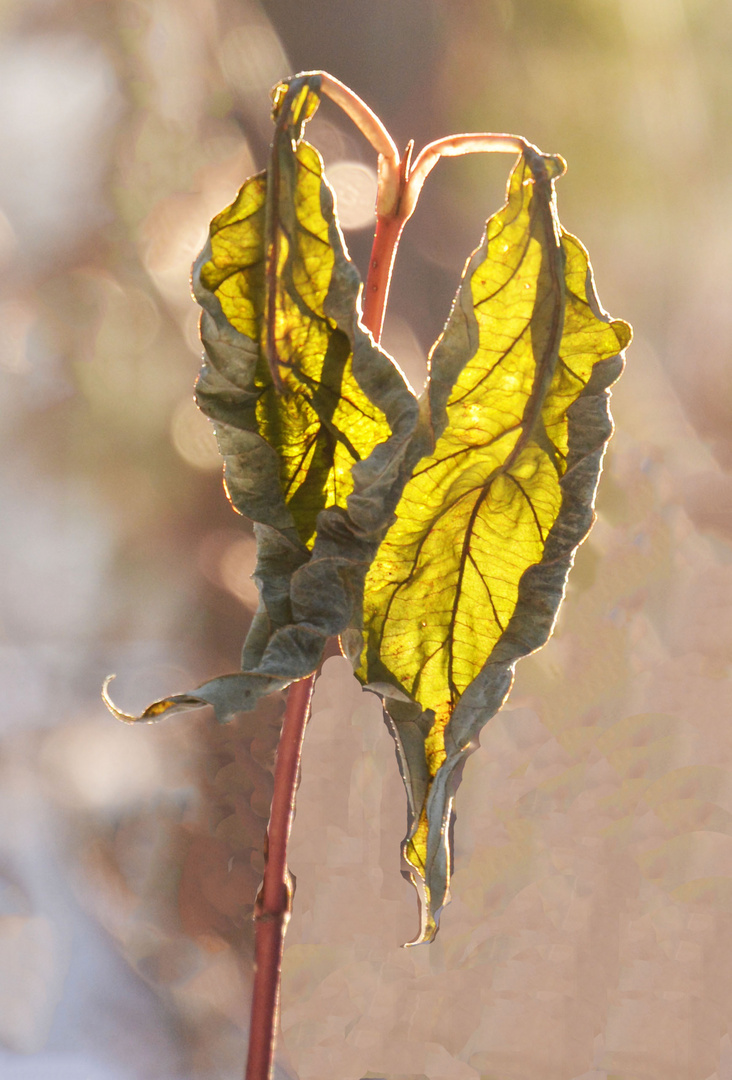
x=590 y=932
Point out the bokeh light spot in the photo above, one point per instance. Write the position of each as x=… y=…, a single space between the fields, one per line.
x=236 y=567
x=97 y=764
x=354 y=185
x=193 y=437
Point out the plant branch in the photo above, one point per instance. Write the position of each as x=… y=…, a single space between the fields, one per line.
x=274 y=902
x=381 y=264
x=389 y=227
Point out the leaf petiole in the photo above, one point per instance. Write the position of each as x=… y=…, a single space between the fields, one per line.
x=453 y=146
x=373 y=130
x=400 y=181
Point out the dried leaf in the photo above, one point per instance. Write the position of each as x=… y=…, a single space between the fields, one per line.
x=274 y=260
x=310 y=415
x=470 y=576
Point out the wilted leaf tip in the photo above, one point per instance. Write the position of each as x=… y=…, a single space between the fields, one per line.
x=156 y=711
x=295 y=100
x=487 y=525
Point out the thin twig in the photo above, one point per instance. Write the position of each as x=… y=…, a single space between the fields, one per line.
x=389 y=227
x=381 y=264
x=274 y=902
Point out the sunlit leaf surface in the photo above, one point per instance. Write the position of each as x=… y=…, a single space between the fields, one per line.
x=447 y=540
x=471 y=574
x=275 y=255
x=310 y=415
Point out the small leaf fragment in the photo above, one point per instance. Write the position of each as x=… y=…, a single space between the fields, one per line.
x=470 y=576
x=178 y=702
x=227 y=694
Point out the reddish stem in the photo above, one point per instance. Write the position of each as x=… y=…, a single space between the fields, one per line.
x=274 y=902
x=383 y=253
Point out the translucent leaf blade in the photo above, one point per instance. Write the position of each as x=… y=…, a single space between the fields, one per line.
x=447 y=610
x=311 y=416
x=275 y=259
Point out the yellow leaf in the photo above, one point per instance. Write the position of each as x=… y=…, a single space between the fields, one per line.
x=508 y=486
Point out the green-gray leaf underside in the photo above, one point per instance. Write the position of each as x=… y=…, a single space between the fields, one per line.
x=311 y=417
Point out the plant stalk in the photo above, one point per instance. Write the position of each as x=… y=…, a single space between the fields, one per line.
x=274 y=902
x=390 y=220
x=381 y=264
